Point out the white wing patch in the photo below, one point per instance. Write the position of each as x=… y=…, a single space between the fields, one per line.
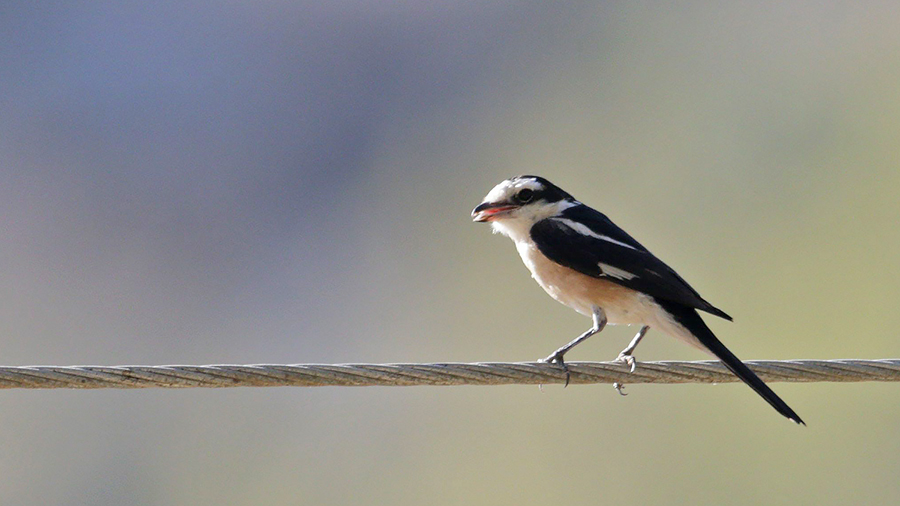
x=583 y=229
x=615 y=272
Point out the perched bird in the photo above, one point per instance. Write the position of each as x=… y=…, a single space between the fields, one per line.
x=583 y=260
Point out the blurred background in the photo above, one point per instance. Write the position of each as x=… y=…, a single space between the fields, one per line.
x=289 y=182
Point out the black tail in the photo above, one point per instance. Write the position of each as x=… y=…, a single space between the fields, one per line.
x=691 y=320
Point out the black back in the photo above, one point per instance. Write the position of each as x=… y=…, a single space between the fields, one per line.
x=584 y=253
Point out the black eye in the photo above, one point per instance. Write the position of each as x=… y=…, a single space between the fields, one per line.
x=525 y=195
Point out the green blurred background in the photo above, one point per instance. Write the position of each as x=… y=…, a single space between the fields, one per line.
x=284 y=182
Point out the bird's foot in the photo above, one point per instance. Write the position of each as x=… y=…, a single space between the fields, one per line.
x=557 y=358
x=627 y=359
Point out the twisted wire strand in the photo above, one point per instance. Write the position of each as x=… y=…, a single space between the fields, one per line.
x=448 y=374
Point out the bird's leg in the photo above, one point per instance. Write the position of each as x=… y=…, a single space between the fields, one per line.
x=557 y=356
x=626 y=355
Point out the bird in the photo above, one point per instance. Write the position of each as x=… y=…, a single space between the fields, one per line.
x=586 y=262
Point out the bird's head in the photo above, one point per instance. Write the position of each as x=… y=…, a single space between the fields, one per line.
x=516 y=204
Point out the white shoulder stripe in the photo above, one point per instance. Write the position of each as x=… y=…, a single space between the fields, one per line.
x=567 y=204
x=583 y=229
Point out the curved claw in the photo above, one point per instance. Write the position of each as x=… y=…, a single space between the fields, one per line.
x=619 y=387
x=627 y=360
x=557 y=358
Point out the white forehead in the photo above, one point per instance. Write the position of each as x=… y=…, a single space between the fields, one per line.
x=509 y=187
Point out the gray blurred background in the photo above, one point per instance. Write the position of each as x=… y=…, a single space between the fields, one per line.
x=284 y=182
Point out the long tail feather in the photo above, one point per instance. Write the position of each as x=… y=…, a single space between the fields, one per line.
x=689 y=318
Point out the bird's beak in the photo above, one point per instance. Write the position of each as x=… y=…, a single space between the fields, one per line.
x=489 y=211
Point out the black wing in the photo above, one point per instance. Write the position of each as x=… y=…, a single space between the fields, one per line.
x=627 y=262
